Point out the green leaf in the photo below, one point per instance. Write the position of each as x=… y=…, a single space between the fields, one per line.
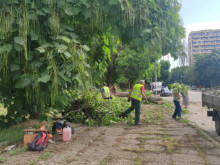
x=44 y=79
x=147 y=30
x=49 y=119
x=64 y=100
x=113 y=2
x=19 y=40
x=42 y=117
x=61 y=46
x=46 y=10
x=24 y=81
x=2 y=49
x=46 y=45
x=66 y=39
x=69 y=11
x=86 y=47
x=18 y=47
x=36 y=64
x=73 y=35
x=40 y=49
x=138 y=42
x=2 y=37
x=40 y=12
x=16 y=75
x=67 y=55
x=8 y=47
x=14 y=67
x=76 y=10
x=87 y=14
x=34 y=35
x=64 y=77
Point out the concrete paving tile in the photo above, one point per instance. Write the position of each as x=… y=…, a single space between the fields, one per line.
x=212 y=159
x=187 y=158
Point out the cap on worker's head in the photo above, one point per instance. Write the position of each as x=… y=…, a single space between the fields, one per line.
x=142 y=81
x=104 y=84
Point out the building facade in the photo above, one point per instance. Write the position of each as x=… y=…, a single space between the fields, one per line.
x=203 y=41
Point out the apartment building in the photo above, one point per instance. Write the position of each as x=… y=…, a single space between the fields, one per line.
x=203 y=41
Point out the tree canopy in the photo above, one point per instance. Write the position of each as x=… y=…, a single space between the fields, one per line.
x=50 y=46
x=207 y=67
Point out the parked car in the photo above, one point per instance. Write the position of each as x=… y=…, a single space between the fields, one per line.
x=165 y=92
x=157 y=89
x=194 y=87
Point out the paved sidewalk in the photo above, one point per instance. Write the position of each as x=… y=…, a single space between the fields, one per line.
x=159 y=140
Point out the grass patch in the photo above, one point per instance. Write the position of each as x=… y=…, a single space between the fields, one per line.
x=70 y=160
x=106 y=160
x=138 y=161
x=153 y=133
x=45 y=156
x=165 y=105
x=136 y=150
x=185 y=111
x=154 y=117
x=150 y=138
x=201 y=154
x=2 y=159
x=18 y=151
x=183 y=120
x=14 y=134
x=170 y=144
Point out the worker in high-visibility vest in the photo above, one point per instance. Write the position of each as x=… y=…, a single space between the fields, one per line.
x=176 y=99
x=136 y=94
x=105 y=92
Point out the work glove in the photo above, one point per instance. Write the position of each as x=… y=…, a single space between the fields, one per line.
x=146 y=101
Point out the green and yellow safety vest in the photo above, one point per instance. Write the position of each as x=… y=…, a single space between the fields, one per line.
x=106 y=92
x=136 y=92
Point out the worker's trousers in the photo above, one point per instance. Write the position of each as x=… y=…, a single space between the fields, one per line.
x=135 y=104
x=178 y=109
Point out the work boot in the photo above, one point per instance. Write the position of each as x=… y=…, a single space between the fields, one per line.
x=121 y=115
x=174 y=117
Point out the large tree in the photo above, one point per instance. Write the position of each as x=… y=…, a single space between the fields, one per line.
x=48 y=46
x=207 y=67
x=164 y=71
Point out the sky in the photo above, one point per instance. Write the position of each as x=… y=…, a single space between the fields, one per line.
x=198 y=15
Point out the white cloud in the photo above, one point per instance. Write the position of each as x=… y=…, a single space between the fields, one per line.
x=171 y=60
x=202 y=26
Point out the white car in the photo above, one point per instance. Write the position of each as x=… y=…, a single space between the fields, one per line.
x=158 y=89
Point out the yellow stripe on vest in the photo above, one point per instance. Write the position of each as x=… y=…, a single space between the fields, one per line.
x=136 y=92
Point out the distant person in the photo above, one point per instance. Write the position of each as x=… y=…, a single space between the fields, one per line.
x=105 y=92
x=185 y=94
x=176 y=100
x=136 y=94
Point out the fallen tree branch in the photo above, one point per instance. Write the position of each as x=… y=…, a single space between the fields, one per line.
x=152 y=99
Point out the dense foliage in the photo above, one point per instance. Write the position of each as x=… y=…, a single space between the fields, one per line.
x=177 y=74
x=207 y=68
x=204 y=72
x=164 y=71
x=50 y=46
x=92 y=109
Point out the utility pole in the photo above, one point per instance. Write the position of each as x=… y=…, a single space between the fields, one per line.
x=155 y=78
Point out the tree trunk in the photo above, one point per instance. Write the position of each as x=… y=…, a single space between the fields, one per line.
x=152 y=99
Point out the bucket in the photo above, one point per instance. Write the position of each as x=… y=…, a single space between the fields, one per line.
x=66 y=136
